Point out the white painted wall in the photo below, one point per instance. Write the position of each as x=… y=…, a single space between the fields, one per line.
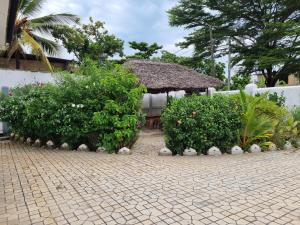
x=160 y=100
x=13 y=78
x=291 y=93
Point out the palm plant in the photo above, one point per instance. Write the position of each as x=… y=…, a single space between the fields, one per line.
x=256 y=125
x=32 y=32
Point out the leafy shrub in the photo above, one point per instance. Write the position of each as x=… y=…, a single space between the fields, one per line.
x=278 y=99
x=201 y=122
x=98 y=106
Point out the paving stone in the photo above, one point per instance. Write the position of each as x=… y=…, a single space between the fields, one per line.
x=40 y=186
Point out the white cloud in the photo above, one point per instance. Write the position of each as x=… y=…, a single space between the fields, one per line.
x=130 y=20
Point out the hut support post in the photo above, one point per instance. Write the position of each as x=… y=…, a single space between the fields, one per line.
x=167 y=97
x=150 y=102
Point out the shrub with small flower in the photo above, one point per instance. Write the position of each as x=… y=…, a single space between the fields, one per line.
x=201 y=122
x=99 y=106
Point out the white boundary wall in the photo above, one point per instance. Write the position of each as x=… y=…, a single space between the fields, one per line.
x=291 y=93
x=13 y=78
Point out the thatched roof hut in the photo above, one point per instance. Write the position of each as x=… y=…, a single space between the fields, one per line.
x=161 y=77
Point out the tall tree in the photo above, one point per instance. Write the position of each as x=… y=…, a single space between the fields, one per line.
x=204 y=66
x=32 y=32
x=89 y=40
x=145 y=51
x=264 y=33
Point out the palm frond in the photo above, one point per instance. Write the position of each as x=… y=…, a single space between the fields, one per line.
x=36 y=48
x=48 y=46
x=30 y=7
x=43 y=27
x=55 y=19
x=23 y=4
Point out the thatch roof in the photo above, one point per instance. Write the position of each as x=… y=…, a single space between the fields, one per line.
x=164 y=77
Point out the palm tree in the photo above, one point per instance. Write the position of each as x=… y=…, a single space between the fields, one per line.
x=32 y=32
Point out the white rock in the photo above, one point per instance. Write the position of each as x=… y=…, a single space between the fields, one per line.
x=37 y=143
x=236 y=150
x=16 y=137
x=124 y=151
x=50 y=144
x=190 y=152
x=12 y=135
x=65 y=146
x=28 y=141
x=83 y=147
x=272 y=147
x=214 y=151
x=287 y=146
x=254 y=148
x=165 y=152
x=101 y=149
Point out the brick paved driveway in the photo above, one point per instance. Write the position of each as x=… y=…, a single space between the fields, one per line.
x=39 y=186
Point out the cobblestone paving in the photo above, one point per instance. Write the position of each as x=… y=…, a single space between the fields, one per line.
x=39 y=186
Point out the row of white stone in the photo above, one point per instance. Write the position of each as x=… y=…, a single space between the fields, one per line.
x=65 y=146
x=215 y=151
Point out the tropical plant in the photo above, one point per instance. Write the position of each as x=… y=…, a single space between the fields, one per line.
x=31 y=32
x=257 y=126
x=296 y=116
x=89 y=40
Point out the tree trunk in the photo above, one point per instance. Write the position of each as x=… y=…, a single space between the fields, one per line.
x=270 y=81
x=18 y=61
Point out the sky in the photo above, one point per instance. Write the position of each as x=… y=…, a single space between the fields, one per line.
x=130 y=20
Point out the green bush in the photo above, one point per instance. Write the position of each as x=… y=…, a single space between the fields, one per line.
x=99 y=106
x=201 y=122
